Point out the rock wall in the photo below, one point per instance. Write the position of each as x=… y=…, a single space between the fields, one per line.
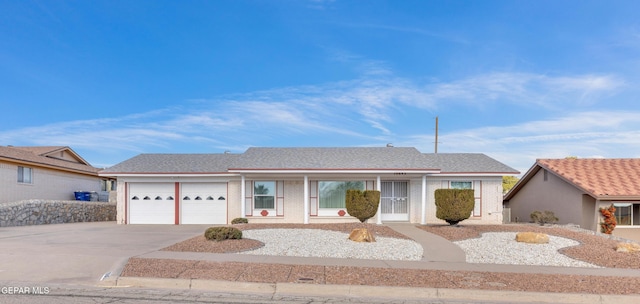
x=39 y=212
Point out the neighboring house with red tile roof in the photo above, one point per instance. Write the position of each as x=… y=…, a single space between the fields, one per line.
x=575 y=189
x=301 y=185
x=45 y=172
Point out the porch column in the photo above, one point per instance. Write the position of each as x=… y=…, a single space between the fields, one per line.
x=378 y=187
x=423 y=220
x=306 y=200
x=243 y=210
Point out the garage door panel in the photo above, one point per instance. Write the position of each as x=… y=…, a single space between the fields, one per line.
x=204 y=203
x=152 y=203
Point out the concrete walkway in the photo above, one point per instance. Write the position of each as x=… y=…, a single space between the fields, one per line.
x=436 y=248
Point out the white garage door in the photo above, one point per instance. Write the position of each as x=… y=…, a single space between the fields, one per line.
x=204 y=203
x=151 y=203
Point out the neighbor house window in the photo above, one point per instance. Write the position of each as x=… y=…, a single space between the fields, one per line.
x=624 y=213
x=332 y=193
x=25 y=175
x=264 y=195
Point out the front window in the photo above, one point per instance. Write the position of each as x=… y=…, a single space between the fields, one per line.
x=461 y=185
x=25 y=175
x=477 y=207
x=264 y=195
x=332 y=193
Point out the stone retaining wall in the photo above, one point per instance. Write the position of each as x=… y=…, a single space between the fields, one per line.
x=39 y=212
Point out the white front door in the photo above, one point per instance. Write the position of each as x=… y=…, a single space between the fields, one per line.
x=394 y=200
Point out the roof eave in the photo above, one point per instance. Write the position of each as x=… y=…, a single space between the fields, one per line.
x=605 y=197
x=164 y=174
x=48 y=166
x=477 y=173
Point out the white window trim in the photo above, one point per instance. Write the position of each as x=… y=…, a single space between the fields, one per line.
x=477 y=195
x=272 y=211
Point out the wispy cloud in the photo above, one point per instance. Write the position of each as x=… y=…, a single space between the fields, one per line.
x=523 y=88
x=368 y=110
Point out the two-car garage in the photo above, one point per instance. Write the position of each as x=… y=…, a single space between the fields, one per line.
x=177 y=203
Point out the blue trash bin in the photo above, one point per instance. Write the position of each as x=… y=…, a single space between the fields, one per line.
x=82 y=196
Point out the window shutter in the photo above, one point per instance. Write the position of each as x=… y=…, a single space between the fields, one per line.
x=279 y=198
x=444 y=184
x=248 y=199
x=370 y=185
x=477 y=194
x=313 y=198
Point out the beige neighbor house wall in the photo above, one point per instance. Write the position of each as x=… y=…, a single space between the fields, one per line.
x=554 y=194
x=46 y=184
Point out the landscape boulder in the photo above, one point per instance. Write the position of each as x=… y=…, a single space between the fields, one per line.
x=361 y=235
x=532 y=237
x=628 y=247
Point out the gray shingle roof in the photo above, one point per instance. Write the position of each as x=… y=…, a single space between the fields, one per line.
x=468 y=163
x=333 y=158
x=361 y=158
x=175 y=163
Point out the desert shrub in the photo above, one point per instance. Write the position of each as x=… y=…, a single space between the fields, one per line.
x=239 y=220
x=362 y=205
x=543 y=217
x=610 y=222
x=222 y=233
x=454 y=205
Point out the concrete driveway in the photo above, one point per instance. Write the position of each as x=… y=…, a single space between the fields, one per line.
x=80 y=252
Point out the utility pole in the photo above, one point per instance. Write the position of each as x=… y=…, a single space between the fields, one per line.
x=436 y=144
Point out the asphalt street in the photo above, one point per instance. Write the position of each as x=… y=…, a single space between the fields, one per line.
x=76 y=294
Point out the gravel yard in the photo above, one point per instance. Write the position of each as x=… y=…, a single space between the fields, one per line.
x=585 y=250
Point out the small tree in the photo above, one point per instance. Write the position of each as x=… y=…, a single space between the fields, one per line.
x=610 y=222
x=362 y=205
x=454 y=205
x=508 y=182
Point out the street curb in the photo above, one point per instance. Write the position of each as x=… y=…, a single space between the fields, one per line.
x=378 y=292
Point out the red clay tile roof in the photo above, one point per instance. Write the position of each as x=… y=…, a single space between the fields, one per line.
x=598 y=177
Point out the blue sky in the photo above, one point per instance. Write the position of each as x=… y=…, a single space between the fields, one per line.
x=516 y=80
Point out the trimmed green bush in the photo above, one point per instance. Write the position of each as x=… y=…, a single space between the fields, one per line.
x=543 y=217
x=362 y=205
x=222 y=233
x=454 y=205
x=239 y=220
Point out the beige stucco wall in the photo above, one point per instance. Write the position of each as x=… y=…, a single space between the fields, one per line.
x=554 y=195
x=233 y=200
x=47 y=184
x=293 y=210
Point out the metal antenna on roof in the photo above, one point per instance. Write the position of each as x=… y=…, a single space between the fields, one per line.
x=436 y=144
